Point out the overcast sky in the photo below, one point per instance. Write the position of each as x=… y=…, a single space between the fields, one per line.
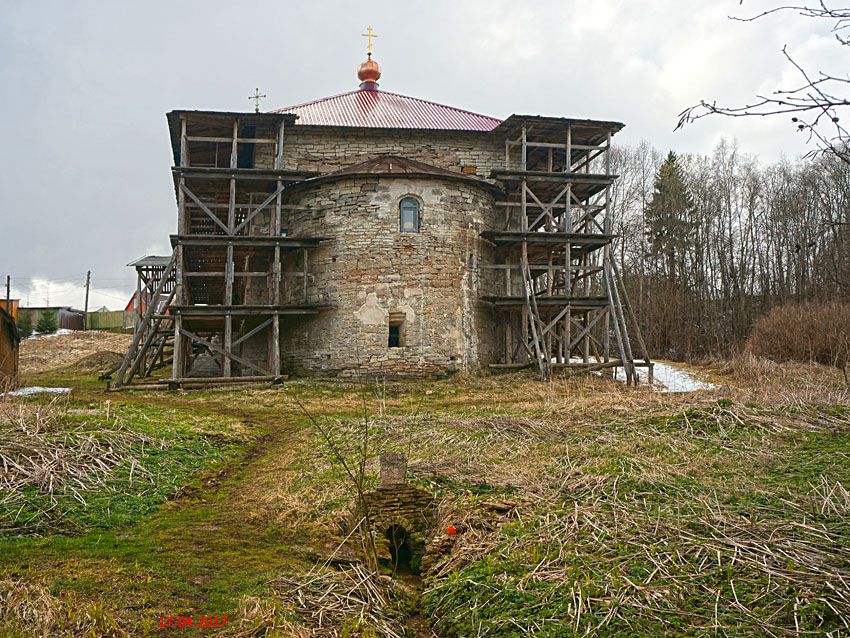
x=85 y=170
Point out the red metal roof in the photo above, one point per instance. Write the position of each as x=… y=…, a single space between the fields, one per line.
x=382 y=109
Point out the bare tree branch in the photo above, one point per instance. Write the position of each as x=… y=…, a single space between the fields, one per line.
x=815 y=105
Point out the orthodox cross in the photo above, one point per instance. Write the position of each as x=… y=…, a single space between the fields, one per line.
x=256 y=97
x=369 y=35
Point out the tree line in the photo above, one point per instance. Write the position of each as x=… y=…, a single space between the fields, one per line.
x=707 y=243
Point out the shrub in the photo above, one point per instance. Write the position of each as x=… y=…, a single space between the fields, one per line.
x=811 y=331
x=47 y=322
x=24 y=324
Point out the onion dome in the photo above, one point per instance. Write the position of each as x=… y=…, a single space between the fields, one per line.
x=369 y=73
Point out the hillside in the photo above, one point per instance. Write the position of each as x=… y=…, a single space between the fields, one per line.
x=582 y=507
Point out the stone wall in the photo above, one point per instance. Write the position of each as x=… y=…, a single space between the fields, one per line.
x=368 y=272
x=401 y=506
x=326 y=148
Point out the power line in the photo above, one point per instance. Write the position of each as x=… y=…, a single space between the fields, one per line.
x=47 y=277
x=106 y=294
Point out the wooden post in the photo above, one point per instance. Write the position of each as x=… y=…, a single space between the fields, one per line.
x=226 y=363
x=231 y=206
x=184 y=144
x=182 y=222
x=305 y=275
x=523 y=163
x=523 y=208
x=274 y=226
x=568 y=261
x=85 y=308
x=509 y=341
x=549 y=291
x=278 y=160
x=275 y=331
x=609 y=223
x=178 y=356
x=138 y=301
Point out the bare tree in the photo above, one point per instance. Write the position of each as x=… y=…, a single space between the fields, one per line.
x=758 y=236
x=815 y=104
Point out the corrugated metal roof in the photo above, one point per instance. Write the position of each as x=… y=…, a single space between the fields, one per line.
x=152 y=261
x=382 y=109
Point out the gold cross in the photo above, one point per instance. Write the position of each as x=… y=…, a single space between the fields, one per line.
x=369 y=35
x=256 y=97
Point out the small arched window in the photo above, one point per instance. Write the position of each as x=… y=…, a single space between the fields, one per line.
x=408 y=215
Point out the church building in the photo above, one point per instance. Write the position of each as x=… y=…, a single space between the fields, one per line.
x=380 y=234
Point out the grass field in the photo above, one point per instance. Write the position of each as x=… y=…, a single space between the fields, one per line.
x=585 y=507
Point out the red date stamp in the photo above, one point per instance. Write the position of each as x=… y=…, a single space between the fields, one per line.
x=192 y=622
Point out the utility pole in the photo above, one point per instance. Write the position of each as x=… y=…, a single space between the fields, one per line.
x=8 y=307
x=86 y=309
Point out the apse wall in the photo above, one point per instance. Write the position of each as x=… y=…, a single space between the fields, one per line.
x=369 y=275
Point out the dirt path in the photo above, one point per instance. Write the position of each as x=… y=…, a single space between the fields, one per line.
x=221 y=539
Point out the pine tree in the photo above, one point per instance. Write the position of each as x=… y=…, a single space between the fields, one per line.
x=24 y=324
x=46 y=322
x=669 y=228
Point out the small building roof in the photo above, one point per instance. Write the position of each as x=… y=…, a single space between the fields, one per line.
x=396 y=166
x=151 y=261
x=382 y=109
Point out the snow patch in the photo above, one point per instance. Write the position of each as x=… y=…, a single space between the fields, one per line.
x=670 y=378
x=26 y=392
x=45 y=335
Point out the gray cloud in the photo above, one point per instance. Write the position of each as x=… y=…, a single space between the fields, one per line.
x=85 y=173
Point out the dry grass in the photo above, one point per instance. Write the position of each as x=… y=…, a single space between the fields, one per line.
x=595 y=507
x=634 y=520
x=264 y=617
x=751 y=378
x=51 y=352
x=40 y=452
x=348 y=601
x=617 y=509
x=28 y=609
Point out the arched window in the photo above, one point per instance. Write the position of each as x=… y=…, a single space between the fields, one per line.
x=408 y=215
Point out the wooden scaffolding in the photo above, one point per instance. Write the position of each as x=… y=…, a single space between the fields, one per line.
x=557 y=287
x=212 y=308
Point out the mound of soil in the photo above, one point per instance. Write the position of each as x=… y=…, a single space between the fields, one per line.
x=91 y=350
x=98 y=361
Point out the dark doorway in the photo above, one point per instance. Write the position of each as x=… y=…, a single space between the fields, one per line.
x=399 y=549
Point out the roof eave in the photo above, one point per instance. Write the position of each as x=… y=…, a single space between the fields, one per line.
x=406 y=129
x=518 y=120
x=332 y=177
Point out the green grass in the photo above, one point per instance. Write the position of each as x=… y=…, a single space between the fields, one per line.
x=245 y=492
x=676 y=492
x=178 y=446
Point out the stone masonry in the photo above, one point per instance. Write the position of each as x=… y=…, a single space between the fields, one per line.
x=368 y=273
